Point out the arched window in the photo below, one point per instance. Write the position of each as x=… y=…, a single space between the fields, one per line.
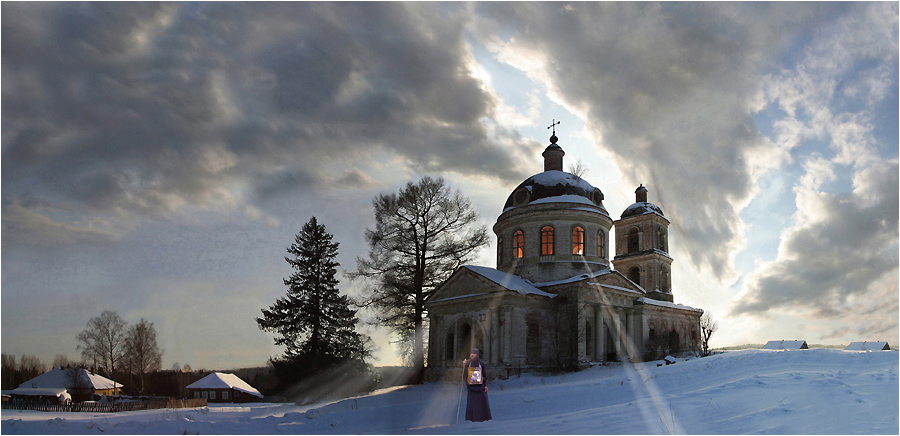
x=600 y=244
x=547 y=241
x=578 y=241
x=634 y=274
x=662 y=240
x=499 y=251
x=633 y=240
x=518 y=244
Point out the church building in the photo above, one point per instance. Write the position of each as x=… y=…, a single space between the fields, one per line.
x=556 y=300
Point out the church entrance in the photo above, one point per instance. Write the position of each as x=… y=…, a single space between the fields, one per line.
x=464 y=343
x=610 y=346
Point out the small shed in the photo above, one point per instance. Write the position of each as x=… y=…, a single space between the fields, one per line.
x=220 y=387
x=868 y=346
x=786 y=345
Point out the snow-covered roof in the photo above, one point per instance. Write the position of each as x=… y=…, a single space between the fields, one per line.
x=867 y=346
x=785 y=345
x=653 y=302
x=38 y=392
x=577 y=278
x=508 y=281
x=220 y=380
x=60 y=378
x=618 y=288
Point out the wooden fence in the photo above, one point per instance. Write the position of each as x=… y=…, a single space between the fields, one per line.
x=171 y=403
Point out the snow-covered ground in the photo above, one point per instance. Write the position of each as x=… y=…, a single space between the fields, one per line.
x=818 y=391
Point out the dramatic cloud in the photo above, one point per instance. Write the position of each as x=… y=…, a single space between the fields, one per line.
x=666 y=88
x=840 y=258
x=141 y=109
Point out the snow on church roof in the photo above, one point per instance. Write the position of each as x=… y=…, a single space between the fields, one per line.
x=220 y=380
x=508 y=281
x=653 y=302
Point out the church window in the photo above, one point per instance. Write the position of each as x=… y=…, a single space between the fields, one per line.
x=634 y=274
x=633 y=241
x=600 y=244
x=547 y=241
x=518 y=244
x=662 y=240
x=499 y=251
x=578 y=241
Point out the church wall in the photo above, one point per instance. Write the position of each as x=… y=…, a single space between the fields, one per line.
x=661 y=321
x=562 y=264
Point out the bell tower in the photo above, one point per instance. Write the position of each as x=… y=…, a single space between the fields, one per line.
x=642 y=247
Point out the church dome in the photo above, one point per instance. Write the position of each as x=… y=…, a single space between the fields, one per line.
x=641 y=208
x=554 y=187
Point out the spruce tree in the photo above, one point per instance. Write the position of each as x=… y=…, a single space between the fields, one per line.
x=313 y=321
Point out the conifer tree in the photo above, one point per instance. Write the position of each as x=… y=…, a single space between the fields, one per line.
x=313 y=321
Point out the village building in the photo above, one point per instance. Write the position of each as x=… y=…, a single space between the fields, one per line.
x=74 y=384
x=556 y=298
x=220 y=387
x=868 y=346
x=786 y=345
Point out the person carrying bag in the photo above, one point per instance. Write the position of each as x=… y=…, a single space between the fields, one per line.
x=477 y=407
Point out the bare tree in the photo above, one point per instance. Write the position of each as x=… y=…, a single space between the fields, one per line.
x=78 y=384
x=9 y=372
x=578 y=168
x=103 y=340
x=142 y=354
x=708 y=326
x=421 y=236
x=61 y=360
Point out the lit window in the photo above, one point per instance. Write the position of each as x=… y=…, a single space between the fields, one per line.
x=578 y=241
x=518 y=244
x=547 y=241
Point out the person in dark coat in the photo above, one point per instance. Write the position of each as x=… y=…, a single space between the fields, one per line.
x=477 y=407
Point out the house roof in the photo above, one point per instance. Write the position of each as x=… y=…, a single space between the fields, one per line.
x=38 y=392
x=220 y=380
x=785 y=345
x=868 y=345
x=60 y=378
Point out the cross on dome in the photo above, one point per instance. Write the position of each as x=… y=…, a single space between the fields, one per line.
x=553 y=138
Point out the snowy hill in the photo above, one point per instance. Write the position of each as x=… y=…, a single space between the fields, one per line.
x=750 y=391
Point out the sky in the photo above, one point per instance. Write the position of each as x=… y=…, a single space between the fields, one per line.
x=158 y=158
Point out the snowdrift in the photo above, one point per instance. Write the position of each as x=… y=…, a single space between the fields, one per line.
x=820 y=391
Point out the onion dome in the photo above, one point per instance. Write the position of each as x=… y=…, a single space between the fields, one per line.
x=641 y=206
x=554 y=187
